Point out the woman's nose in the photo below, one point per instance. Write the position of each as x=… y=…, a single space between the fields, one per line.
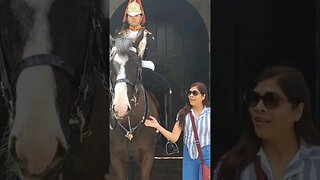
x=260 y=106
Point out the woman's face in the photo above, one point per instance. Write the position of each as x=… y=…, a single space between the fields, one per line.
x=195 y=97
x=273 y=116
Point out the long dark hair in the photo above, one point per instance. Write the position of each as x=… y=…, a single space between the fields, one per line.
x=294 y=86
x=186 y=109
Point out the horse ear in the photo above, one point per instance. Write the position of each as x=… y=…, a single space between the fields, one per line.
x=112 y=41
x=138 y=38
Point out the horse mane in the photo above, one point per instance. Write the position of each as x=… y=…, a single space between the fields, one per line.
x=102 y=8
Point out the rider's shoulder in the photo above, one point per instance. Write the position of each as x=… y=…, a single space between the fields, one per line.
x=147 y=31
x=149 y=34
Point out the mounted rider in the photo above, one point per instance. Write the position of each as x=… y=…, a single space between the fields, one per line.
x=147 y=50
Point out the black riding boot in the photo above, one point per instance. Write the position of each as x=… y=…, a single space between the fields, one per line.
x=160 y=86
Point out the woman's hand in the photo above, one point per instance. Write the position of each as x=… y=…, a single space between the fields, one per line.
x=152 y=122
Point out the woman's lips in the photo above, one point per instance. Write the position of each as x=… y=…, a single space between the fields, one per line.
x=261 y=120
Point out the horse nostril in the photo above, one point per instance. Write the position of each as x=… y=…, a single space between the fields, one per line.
x=61 y=151
x=114 y=108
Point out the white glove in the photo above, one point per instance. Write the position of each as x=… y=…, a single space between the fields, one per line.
x=148 y=64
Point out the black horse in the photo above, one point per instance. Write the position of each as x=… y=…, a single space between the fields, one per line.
x=132 y=144
x=52 y=67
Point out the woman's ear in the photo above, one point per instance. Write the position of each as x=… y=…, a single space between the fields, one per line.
x=298 y=112
x=203 y=96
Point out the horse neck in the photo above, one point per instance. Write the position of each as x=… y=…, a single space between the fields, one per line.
x=138 y=108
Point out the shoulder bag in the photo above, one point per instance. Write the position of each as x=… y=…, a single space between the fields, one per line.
x=206 y=171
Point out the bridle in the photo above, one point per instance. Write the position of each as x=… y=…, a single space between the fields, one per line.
x=137 y=87
x=85 y=92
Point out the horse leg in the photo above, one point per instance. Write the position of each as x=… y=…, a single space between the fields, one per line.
x=146 y=166
x=118 y=169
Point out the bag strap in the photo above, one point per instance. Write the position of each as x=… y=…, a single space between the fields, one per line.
x=196 y=137
x=260 y=174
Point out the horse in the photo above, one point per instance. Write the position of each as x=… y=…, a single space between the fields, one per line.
x=132 y=144
x=53 y=72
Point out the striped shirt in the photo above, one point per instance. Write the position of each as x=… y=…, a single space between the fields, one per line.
x=203 y=129
x=304 y=166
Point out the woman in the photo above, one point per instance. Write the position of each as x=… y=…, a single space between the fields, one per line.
x=199 y=105
x=280 y=141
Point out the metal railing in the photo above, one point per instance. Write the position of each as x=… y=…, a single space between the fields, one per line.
x=168 y=158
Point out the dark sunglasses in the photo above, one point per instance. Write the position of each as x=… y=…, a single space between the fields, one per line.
x=270 y=100
x=194 y=93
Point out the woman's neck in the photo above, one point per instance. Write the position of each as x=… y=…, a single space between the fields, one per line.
x=198 y=109
x=281 y=146
x=280 y=152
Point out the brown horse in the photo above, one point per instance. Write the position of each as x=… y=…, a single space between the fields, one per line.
x=132 y=144
x=51 y=61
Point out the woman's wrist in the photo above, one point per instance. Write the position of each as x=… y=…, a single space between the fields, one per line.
x=158 y=127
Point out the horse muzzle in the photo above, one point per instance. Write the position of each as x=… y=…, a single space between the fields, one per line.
x=120 y=112
x=35 y=169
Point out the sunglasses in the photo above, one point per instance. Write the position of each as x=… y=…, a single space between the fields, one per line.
x=194 y=93
x=271 y=100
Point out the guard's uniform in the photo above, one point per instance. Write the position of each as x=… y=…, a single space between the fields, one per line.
x=147 y=50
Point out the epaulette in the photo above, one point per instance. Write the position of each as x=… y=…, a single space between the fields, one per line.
x=123 y=32
x=147 y=31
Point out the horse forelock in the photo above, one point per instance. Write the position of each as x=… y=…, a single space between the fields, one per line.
x=123 y=45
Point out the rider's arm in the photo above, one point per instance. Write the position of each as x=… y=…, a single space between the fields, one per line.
x=151 y=53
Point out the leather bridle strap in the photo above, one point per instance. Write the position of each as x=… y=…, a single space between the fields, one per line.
x=4 y=82
x=125 y=81
x=42 y=59
x=88 y=66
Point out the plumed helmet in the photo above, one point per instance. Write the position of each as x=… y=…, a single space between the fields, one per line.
x=134 y=8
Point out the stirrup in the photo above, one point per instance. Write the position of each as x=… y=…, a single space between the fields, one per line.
x=171 y=148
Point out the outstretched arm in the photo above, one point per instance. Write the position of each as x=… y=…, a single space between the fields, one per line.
x=171 y=136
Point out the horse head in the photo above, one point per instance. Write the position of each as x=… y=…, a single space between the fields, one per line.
x=46 y=48
x=125 y=76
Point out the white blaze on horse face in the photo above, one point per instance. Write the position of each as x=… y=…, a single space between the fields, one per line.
x=121 y=100
x=38 y=41
x=36 y=126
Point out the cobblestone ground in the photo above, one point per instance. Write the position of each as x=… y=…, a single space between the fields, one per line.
x=167 y=170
